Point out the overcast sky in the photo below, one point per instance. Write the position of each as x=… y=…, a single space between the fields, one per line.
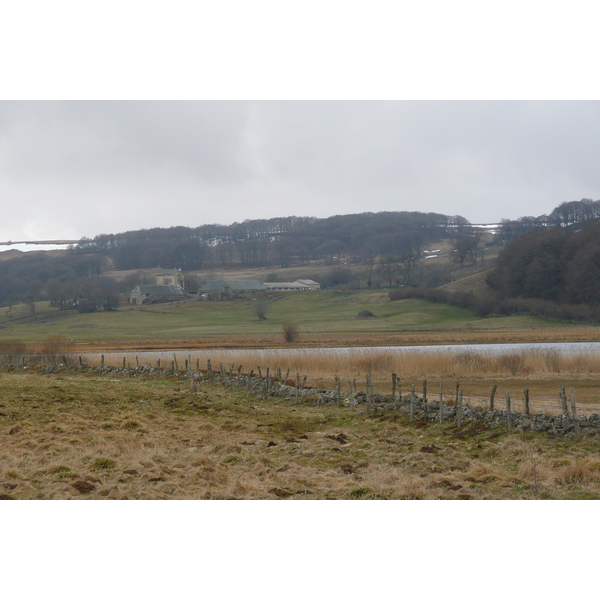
x=81 y=168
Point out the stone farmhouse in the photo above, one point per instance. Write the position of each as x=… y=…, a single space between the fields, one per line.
x=169 y=287
x=170 y=277
x=152 y=294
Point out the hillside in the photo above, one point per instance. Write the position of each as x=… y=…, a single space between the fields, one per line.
x=324 y=318
x=413 y=255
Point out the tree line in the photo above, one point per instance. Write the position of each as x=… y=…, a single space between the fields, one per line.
x=277 y=242
x=566 y=214
x=69 y=281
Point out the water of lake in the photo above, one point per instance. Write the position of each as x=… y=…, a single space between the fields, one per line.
x=257 y=354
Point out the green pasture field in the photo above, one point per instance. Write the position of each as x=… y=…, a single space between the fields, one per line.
x=315 y=312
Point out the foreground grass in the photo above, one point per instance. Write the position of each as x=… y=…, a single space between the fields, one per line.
x=105 y=437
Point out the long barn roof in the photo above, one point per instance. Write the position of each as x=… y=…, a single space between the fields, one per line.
x=234 y=284
x=159 y=290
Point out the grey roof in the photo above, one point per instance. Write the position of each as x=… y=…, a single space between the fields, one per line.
x=234 y=284
x=159 y=290
x=284 y=284
x=306 y=282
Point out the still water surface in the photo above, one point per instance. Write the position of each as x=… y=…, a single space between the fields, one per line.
x=202 y=354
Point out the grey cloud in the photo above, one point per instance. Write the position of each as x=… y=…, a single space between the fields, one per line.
x=83 y=168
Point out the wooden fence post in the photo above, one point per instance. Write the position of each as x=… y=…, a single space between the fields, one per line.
x=460 y=404
x=526 y=394
x=492 y=396
x=352 y=397
x=393 y=386
x=577 y=429
x=441 y=400
x=508 y=421
x=563 y=400
x=412 y=404
x=425 y=392
x=268 y=389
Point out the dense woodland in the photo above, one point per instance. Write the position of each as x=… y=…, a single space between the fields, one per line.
x=557 y=264
x=278 y=242
x=552 y=260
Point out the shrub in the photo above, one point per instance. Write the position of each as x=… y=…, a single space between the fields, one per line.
x=552 y=360
x=575 y=474
x=513 y=361
x=13 y=348
x=56 y=346
x=290 y=331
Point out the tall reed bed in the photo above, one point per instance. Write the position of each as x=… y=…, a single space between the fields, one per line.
x=406 y=363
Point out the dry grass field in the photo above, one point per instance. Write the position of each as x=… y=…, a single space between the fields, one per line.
x=98 y=436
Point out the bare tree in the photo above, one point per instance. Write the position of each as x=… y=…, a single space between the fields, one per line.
x=30 y=298
x=388 y=267
x=467 y=246
x=261 y=308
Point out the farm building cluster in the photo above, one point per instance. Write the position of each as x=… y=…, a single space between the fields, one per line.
x=169 y=287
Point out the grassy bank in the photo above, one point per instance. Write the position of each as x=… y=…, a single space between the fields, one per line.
x=91 y=436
